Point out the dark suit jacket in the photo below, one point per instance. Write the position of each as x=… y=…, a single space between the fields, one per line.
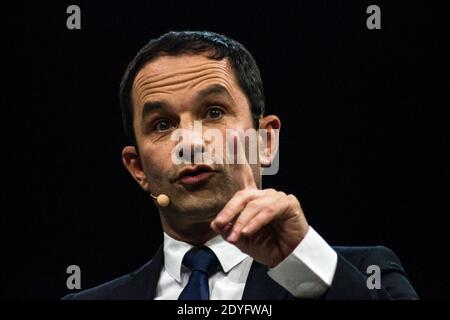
x=349 y=281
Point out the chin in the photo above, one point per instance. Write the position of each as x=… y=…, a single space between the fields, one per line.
x=201 y=207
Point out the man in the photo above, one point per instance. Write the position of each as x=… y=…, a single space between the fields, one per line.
x=224 y=236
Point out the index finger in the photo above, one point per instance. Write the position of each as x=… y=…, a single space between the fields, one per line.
x=243 y=173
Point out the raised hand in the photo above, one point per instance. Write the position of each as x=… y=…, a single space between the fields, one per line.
x=266 y=224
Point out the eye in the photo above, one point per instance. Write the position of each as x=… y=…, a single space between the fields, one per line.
x=214 y=113
x=163 y=125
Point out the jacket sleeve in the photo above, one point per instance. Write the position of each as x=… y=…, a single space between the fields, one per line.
x=350 y=281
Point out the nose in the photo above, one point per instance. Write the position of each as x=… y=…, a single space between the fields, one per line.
x=196 y=150
x=192 y=145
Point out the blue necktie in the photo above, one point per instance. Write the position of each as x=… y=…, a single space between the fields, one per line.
x=203 y=263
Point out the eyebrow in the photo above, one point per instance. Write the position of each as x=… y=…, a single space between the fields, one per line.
x=153 y=106
x=213 y=89
x=162 y=104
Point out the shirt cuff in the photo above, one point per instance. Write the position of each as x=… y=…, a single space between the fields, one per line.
x=309 y=270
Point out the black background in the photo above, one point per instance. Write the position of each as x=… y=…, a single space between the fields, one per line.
x=364 y=139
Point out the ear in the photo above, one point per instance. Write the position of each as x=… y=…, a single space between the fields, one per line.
x=132 y=162
x=269 y=128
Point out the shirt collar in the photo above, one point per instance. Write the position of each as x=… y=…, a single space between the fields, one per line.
x=174 y=250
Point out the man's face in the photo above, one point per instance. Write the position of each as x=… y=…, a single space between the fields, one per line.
x=169 y=93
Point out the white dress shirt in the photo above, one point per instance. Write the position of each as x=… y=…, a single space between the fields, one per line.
x=306 y=273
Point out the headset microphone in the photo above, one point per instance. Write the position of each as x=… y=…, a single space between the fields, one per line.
x=163 y=200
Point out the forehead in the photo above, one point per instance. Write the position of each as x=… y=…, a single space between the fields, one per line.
x=167 y=64
x=180 y=76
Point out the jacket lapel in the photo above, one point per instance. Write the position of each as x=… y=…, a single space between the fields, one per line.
x=260 y=286
x=143 y=284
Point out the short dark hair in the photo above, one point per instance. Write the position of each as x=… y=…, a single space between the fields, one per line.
x=217 y=47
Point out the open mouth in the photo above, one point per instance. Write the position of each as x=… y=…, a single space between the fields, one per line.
x=196 y=175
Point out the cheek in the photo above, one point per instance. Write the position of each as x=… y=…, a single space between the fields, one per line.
x=157 y=161
x=220 y=140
